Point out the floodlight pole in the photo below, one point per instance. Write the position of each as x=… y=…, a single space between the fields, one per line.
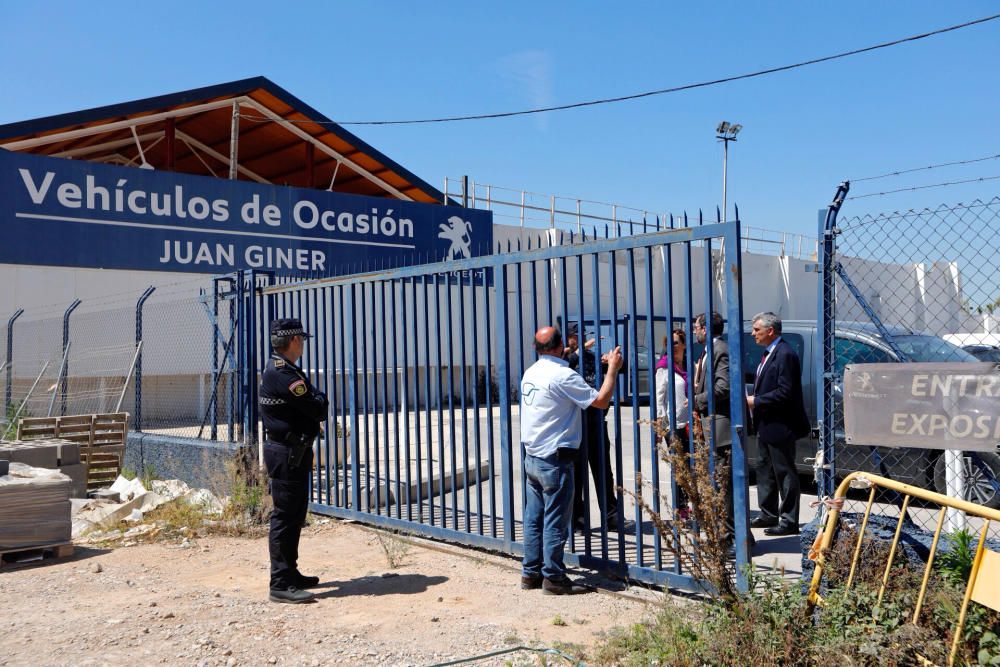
x=725 y=138
x=725 y=175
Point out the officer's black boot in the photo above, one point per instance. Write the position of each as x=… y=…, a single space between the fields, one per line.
x=291 y=595
x=304 y=581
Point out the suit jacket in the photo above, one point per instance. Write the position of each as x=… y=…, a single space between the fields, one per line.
x=720 y=383
x=779 y=412
x=720 y=393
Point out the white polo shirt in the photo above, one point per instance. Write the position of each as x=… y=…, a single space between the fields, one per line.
x=552 y=396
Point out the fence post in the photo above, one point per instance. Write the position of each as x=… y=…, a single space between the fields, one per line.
x=65 y=342
x=138 y=360
x=250 y=332
x=825 y=353
x=239 y=420
x=10 y=357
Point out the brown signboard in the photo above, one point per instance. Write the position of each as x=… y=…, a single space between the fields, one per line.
x=930 y=405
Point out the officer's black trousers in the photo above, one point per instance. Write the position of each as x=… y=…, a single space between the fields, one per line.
x=290 y=494
x=598 y=446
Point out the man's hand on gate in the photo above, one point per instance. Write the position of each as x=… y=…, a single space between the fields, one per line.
x=615 y=360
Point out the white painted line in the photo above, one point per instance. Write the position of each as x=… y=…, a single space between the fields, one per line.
x=261 y=237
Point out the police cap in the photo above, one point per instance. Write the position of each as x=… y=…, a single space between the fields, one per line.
x=288 y=327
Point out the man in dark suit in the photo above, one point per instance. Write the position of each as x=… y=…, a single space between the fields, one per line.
x=719 y=385
x=779 y=417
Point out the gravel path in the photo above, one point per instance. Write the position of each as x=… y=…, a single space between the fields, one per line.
x=203 y=602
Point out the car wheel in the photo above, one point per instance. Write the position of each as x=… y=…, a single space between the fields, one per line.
x=978 y=488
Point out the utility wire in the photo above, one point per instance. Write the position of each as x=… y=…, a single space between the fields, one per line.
x=924 y=187
x=662 y=91
x=930 y=166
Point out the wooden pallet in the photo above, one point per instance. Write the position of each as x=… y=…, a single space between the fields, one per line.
x=48 y=551
x=101 y=437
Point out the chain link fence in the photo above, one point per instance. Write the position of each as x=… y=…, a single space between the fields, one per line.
x=85 y=358
x=915 y=286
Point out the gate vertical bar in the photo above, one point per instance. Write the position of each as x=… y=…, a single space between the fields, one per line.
x=632 y=337
x=440 y=401
x=385 y=399
x=737 y=406
x=449 y=330
x=373 y=494
x=475 y=399
x=429 y=431
x=503 y=351
x=404 y=336
x=371 y=420
x=418 y=453
x=672 y=398
x=352 y=399
x=330 y=367
x=619 y=463
x=463 y=402
x=489 y=402
x=394 y=313
x=519 y=311
x=651 y=386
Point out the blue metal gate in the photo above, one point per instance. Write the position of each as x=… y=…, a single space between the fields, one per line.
x=422 y=364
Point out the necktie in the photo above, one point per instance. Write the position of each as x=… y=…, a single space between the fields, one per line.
x=760 y=366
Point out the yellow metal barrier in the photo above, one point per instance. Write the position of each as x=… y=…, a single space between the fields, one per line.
x=863 y=480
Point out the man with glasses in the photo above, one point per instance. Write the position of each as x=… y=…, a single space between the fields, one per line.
x=721 y=435
x=292 y=411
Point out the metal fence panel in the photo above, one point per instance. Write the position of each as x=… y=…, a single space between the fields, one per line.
x=910 y=286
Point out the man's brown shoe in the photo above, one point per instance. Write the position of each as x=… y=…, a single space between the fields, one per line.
x=531 y=583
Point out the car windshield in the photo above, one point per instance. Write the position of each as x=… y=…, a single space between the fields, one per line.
x=931 y=348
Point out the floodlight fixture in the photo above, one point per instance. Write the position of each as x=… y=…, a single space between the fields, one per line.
x=726 y=132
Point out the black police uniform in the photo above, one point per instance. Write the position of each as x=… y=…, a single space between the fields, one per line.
x=598 y=446
x=291 y=410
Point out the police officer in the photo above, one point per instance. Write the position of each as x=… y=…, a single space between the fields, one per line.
x=292 y=411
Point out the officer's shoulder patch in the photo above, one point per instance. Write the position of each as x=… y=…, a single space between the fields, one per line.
x=279 y=363
x=298 y=388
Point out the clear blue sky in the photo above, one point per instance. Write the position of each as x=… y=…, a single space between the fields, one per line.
x=932 y=101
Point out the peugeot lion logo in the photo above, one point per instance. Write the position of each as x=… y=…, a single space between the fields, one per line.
x=865 y=382
x=458 y=232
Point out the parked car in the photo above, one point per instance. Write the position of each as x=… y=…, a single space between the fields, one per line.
x=855 y=343
x=983 y=352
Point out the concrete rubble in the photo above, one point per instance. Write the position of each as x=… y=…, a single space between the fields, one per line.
x=136 y=501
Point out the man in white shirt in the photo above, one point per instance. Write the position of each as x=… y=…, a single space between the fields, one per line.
x=552 y=396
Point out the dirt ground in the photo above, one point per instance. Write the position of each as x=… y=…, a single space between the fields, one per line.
x=383 y=600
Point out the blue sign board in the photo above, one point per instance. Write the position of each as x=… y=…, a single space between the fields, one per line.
x=60 y=212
